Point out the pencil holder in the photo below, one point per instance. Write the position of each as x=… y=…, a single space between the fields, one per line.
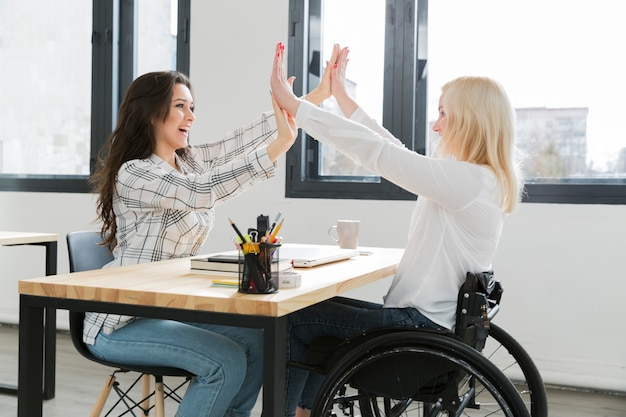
x=258 y=268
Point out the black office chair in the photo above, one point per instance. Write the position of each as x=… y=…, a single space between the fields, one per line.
x=86 y=253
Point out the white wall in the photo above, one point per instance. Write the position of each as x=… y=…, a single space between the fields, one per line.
x=562 y=266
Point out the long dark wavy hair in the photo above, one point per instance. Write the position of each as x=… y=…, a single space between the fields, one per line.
x=148 y=98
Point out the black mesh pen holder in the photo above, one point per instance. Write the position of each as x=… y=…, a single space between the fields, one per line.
x=258 y=268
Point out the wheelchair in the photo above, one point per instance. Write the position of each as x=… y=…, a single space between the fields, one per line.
x=479 y=370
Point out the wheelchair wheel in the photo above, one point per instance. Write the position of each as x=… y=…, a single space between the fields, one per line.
x=416 y=374
x=511 y=358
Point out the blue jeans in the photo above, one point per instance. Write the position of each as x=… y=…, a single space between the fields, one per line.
x=342 y=318
x=227 y=361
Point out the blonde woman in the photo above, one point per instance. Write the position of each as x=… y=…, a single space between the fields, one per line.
x=464 y=195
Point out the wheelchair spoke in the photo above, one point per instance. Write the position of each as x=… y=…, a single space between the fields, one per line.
x=511 y=358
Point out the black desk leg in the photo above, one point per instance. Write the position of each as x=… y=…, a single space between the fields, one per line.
x=274 y=362
x=50 y=330
x=30 y=362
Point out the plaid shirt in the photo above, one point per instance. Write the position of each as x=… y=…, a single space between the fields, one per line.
x=162 y=213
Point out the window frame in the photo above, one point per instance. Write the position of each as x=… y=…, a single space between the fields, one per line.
x=301 y=179
x=112 y=73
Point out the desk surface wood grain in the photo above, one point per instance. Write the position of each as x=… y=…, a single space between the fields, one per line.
x=172 y=284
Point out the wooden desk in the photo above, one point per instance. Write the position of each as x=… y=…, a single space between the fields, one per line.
x=168 y=289
x=49 y=241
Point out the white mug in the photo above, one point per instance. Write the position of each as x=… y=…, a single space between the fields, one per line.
x=347 y=233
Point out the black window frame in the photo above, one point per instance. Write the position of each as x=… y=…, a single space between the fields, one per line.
x=112 y=73
x=410 y=124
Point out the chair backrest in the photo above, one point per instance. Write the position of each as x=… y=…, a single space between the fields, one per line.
x=85 y=254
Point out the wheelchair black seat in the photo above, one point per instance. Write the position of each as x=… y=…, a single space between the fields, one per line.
x=401 y=371
x=325 y=351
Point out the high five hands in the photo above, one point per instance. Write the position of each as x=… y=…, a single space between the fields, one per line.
x=331 y=83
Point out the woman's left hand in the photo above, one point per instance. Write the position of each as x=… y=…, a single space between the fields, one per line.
x=282 y=88
x=285 y=123
x=323 y=89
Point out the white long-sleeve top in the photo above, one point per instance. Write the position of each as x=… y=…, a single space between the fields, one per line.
x=457 y=221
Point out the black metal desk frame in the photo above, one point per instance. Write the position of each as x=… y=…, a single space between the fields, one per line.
x=31 y=341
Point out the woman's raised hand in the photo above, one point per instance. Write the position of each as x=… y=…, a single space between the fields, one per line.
x=338 y=83
x=282 y=88
x=323 y=89
x=287 y=133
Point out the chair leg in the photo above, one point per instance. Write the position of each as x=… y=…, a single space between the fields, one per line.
x=102 y=398
x=159 y=401
x=146 y=391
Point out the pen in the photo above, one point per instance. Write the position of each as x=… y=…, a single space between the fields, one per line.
x=243 y=239
x=275 y=220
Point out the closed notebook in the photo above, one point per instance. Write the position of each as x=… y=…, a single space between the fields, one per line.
x=214 y=273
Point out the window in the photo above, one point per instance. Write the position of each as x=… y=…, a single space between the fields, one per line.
x=564 y=82
x=46 y=85
x=388 y=49
x=65 y=80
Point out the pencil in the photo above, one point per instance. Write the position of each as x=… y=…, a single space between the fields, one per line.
x=275 y=231
x=232 y=223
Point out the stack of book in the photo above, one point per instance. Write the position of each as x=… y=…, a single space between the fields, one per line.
x=227 y=265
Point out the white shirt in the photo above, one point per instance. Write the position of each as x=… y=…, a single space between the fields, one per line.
x=457 y=221
x=163 y=213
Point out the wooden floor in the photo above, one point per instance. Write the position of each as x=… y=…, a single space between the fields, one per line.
x=79 y=381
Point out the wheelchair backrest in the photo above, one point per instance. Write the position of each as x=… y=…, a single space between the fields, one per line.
x=479 y=294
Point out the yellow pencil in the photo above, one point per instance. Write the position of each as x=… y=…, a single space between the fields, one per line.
x=275 y=231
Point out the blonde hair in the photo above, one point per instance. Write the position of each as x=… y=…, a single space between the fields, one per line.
x=481 y=130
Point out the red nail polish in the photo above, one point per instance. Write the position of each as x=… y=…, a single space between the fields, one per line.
x=335 y=66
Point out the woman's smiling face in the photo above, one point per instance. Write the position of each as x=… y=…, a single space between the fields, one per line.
x=173 y=132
